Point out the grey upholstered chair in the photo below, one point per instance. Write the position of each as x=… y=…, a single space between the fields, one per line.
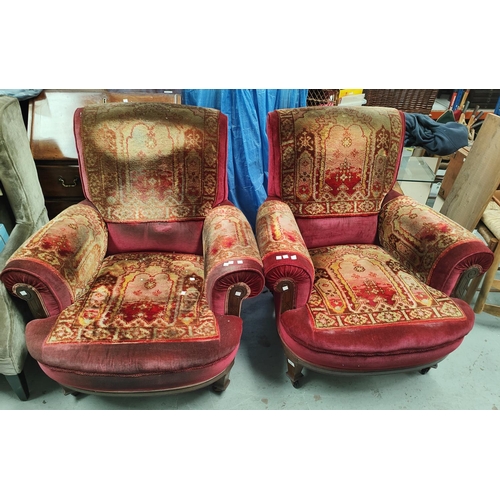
x=22 y=212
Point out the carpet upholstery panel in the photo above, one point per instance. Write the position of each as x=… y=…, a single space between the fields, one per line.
x=364 y=302
x=140 y=297
x=166 y=164
x=434 y=248
x=327 y=161
x=60 y=258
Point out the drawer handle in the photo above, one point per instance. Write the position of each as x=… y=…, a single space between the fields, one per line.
x=63 y=182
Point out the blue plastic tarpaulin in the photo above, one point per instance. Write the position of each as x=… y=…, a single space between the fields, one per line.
x=247 y=111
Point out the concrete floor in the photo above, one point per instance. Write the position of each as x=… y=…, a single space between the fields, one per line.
x=468 y=379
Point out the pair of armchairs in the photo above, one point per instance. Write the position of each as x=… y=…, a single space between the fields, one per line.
x=138 y=288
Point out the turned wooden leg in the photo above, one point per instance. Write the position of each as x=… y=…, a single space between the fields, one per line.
x=19 y=385
x=220 y=385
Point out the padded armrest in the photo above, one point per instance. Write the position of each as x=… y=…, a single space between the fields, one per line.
x=233 y=267
x=432 y=246
x=284 y=254
x=18 y=236
x=58 y=261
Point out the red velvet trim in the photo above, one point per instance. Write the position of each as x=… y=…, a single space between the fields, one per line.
x=365 y=363
x=52 y=287
x=391 y=195
x=118 y=364
x=179 y=237
x=150 y=382
x=326 y=231
x=274 y=152
x=450 y=265
x=222 y=183
x=377 y=340
x=220 y=280
x=300 y=271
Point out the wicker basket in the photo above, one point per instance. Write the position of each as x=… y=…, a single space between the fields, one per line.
x=322 y=97
x=409 y=101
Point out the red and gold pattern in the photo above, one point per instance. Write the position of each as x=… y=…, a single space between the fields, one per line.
x=159 y=163
x=358 y=285
x=140 y=297
x=277 y=230
x=227 y=236
x=72 y=245
x=417 y=235
x=338 y=160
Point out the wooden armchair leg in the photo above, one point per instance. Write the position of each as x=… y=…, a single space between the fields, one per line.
x=221 y=384
x=294 y=367
x=19 y=385
x=473 y=288
x=69 y=392
x=294 y=370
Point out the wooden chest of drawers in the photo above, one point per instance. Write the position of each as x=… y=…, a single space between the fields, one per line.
x=50 y=131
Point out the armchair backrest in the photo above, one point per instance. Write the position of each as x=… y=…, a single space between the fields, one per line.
x=153 y=171
x=25 y=207
x=334 y=166
x=22 y=211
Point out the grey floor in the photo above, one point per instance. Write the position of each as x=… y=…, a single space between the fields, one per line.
x=468 y=379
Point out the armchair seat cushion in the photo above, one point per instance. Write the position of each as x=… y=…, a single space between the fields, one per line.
x=367 y=312
x=144 y=324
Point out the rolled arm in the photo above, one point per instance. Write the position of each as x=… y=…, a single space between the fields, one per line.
x=53 y=267
x=439 y=251
x=233 y=267
x=288 y=267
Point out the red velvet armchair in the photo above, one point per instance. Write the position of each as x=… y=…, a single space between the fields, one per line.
x=362 y=276
x=138 y=288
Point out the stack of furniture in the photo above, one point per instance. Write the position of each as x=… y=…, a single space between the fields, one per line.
x=489 y=228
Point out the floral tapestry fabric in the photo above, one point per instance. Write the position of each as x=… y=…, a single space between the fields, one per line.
x=277 y=230
x=71 y=247
x=418 y=236
x=228 y=238
x=361 y=285
x=140 y=297
x=152 y=161
x=231 y=257
x=335 y=160
x=284 y=252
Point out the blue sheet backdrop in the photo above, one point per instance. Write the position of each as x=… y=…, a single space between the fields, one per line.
x=246 y=110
